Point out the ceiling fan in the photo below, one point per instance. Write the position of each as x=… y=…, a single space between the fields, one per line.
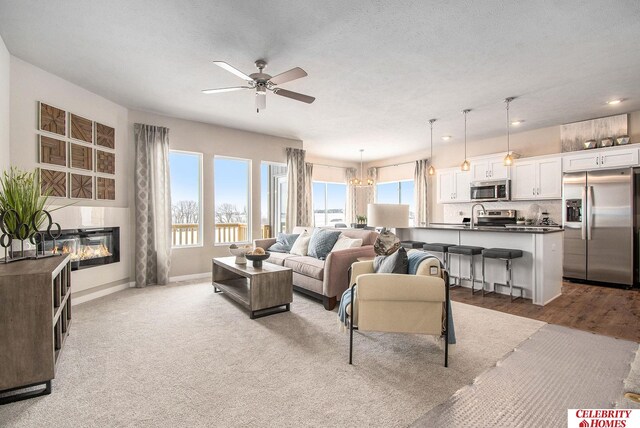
x=262 y=82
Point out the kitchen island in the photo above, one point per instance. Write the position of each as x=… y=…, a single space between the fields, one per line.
x=538 y=271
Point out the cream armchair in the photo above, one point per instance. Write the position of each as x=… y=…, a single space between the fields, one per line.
x=398 y=303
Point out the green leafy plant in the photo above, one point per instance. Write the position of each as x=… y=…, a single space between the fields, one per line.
x=361 y=219
x=520 y=218
x=20 y=191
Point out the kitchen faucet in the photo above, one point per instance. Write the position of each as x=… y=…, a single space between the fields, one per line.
x=473 y=223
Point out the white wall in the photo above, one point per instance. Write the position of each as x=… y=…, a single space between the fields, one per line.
x=5 y=84
x=213 y=140
x=30 y=84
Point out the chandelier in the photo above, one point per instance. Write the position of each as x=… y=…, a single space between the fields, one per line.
x=360 y=182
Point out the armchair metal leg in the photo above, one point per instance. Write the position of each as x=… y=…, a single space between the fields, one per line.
x=351 y=327
x=446 y=328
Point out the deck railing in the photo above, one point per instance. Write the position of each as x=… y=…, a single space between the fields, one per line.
x=184 y=234
x=187 y=234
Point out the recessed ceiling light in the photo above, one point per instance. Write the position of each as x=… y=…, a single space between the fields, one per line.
x=446 y=137
x=517 y=122
x=613 y=102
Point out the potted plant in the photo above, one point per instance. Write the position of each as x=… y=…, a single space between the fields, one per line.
x=20 y=192
x=361 y=222
x=520 y=220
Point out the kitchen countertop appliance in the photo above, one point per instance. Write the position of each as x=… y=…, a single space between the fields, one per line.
x=598 y=217
x=490 y=191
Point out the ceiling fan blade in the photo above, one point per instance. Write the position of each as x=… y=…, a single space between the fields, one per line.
x=288 y=76
x=261 y=100
x=233 y=70
x=219 y=90
x=294 y=95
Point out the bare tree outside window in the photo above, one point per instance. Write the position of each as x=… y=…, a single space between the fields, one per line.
x=185 y=212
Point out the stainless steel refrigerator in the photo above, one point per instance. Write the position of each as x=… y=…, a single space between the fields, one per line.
x=598 y=216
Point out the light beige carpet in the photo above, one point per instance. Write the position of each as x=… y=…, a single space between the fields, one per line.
x=181 y=355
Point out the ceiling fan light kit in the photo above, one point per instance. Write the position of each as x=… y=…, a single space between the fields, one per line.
x=262 y=82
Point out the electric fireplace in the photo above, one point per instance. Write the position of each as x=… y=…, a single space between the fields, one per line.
x=87 y=247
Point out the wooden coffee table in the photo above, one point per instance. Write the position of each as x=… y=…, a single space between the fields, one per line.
x=262 y=291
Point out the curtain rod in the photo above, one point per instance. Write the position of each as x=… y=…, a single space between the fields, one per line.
x=395 y=164
x=330 y=166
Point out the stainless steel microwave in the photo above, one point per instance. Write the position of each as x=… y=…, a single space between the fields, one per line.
x=494 y=190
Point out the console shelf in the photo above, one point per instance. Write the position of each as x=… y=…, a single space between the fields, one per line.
x=35 y=316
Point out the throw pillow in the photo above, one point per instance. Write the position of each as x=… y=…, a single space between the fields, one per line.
x=301 y=246
x=386 y=243
x=395 y=263
x=284 y=242
x=322 y=241
x=343 y=243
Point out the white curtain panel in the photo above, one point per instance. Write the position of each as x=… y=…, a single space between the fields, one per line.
x=350 y=215
x=153 y=205
x=297 y=201
x=371 y=191
x=421 y=188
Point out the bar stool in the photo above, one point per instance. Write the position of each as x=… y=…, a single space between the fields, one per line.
x=411 y=245
x=437 y=247
x=470 y=251
x=507 y=255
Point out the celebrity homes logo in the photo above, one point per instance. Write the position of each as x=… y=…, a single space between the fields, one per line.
x=603 y=418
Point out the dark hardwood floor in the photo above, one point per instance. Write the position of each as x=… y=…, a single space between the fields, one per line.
x=602 y=310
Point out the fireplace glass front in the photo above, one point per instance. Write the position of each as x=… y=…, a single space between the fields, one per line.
x=87 y=247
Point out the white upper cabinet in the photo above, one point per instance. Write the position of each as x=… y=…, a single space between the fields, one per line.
x=489 y=169
x=605 y=158
x=536 y=179
x=453 y=186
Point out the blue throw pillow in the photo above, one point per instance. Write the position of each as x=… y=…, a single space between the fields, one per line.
x=322 y=241
x=397 y=262
x=284 y=242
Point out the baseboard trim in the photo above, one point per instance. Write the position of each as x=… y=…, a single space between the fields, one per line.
x=190 y=277
x=91 y=295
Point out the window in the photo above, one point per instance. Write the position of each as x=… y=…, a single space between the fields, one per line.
x=231 y=180
x=397 y=192
x=329 y=202
x=186 y=190
x=273 y=198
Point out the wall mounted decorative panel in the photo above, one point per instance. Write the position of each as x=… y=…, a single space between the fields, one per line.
x=81 y=128
x=105 y=162
x=105 y=188
x=52 y=119
x=81 y=157
x=53 y=151
x=574 y=135
x=53 y=181
x=105 y=136
x=81 y=186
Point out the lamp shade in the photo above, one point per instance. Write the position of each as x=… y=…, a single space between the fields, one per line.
x=388 y=215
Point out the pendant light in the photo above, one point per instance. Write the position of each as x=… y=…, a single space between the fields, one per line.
x=359 y=182
x=465 y=165
x=508 y=159
x=432 y=170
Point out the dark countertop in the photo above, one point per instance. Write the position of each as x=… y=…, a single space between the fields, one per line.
x=499 y=229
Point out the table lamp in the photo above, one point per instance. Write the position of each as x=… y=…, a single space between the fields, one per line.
x=387 y=216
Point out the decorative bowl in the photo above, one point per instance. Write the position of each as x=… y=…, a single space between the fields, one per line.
x=606 y=142
x=622 y=140
x=240 y=252
x=257 y=258
x=590 y=144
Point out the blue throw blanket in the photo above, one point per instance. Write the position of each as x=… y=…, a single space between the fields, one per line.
x=415 y=258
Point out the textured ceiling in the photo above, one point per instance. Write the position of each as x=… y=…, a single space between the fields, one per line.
x=379 y=70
